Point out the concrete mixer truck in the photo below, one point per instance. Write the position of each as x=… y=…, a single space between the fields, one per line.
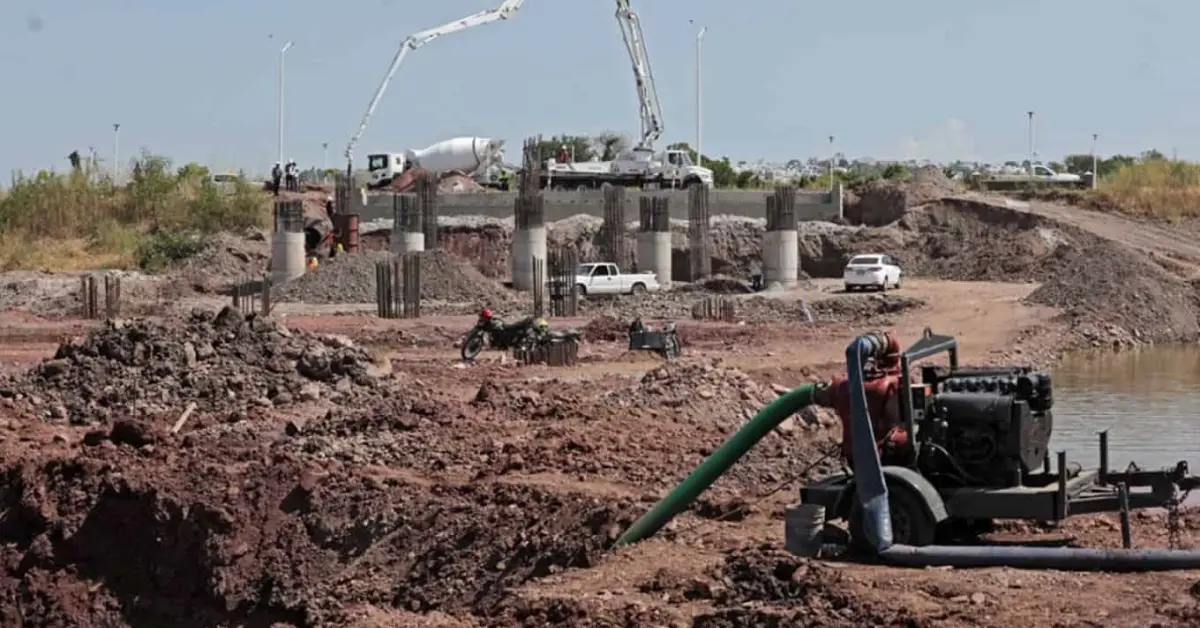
x=472 y=156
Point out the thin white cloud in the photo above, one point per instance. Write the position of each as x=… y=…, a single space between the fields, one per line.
x=949 y=141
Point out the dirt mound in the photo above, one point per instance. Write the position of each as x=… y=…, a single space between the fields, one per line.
x=1111 y=295
x=605 y=329
x=115 y=536
x=883 y=202
x=351 y=279
x=343 y=279
x=227 y=259
x=223 y=362
x=767 y=586
x=855 y=309
x=953 y=239
x=450 y=182
x=448 y=277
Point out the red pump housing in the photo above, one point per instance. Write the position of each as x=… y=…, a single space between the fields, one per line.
x=881 y=383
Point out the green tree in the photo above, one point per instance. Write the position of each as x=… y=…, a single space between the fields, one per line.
x=578 y=146
x=896 y=172
x=609 y=144
x=193 y=171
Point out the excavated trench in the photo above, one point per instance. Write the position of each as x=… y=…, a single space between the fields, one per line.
x=256 y=547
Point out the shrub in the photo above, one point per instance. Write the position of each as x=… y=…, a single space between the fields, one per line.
x=1156 y=188
x=81 y=219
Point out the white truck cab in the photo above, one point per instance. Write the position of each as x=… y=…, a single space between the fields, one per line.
x=383 y=167
x=606 y=278
x=671 y=164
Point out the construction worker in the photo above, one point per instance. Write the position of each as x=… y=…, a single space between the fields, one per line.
x=564 y=156
x=329 y=208
x=756 y=276
x=276 y=177
x=290 y=173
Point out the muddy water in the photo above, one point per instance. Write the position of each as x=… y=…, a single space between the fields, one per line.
x=1148 y=400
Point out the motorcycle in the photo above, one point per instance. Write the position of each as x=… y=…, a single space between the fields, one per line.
x=495 y=334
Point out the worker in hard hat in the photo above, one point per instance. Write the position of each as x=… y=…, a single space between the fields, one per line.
x=276 y=177
x=564 y=156
x=291 y=174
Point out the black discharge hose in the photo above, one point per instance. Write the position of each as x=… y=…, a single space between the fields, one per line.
x=873 y=495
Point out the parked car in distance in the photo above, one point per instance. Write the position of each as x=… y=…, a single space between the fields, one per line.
x=873 y=271
x=607 y=278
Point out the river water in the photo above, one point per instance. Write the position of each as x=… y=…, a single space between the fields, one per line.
x=1149 y=401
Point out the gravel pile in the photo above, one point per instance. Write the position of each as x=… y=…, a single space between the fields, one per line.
x=223 y=362
x=1113 y=296
x=725 y=395
x=351 y=279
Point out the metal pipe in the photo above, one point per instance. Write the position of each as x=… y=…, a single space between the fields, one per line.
x=717 y=464
x=873 y=496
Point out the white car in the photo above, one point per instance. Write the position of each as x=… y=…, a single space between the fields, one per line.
x=871 y=271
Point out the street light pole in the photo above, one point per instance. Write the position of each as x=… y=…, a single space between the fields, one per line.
x=117 y=153
x=699 y=136
x=831 y=163
x=1095 y=162
x=1031 y=152
x=282 y=56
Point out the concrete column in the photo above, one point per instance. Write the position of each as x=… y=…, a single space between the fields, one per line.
x=407 y=226
x=654 y=238
x=288 y=260
x=654 y=255
x=781 y=242
x=527 y=244
x=836 y=197
x=781 y=259
x=407 y=242
x=529 y=240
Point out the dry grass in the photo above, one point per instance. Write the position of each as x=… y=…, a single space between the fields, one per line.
x=1160 y=189
x=80 y=220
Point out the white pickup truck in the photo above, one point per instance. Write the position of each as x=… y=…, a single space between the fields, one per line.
x=607 y=278
x=1041 y=174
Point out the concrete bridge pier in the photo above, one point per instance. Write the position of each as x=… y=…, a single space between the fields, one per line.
x=529 y=240
x=781 y=242
x=408 y=235
x=654 y=239
x=288 y=253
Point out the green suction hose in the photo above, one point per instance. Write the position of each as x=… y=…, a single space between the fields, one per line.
x=717 y=464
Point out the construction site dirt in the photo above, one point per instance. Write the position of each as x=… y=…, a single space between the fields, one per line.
x=208 y=469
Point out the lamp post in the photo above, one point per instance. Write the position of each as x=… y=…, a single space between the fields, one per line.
x=831 y=163
x=1031 y=151
x=699 y=83
x=282 y=57
x=117 y=153
x=1095 y=162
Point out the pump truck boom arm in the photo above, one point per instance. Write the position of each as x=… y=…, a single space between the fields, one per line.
x=635 y=44
x=506 y=10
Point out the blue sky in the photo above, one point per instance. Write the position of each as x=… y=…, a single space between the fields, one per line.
x=925 y=79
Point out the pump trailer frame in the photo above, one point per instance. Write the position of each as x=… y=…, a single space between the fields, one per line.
x=1053 y=494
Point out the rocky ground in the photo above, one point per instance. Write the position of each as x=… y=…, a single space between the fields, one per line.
x=200 y=468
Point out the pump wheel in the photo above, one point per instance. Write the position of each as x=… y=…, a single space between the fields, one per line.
x=911 y=522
